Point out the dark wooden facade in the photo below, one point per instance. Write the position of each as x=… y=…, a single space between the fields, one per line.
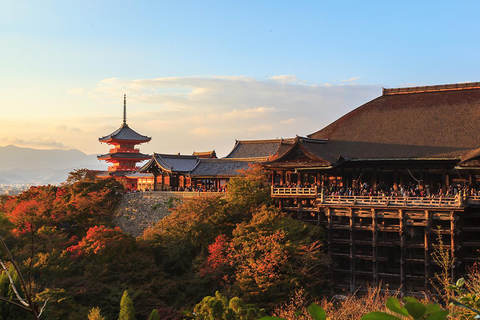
x=386 y=180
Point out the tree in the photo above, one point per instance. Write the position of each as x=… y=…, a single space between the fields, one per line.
x=154 y=315
x=94 y=314
x=248 y=192
x=83 y=175
x=127 y=312
x=219 y=307
x=100 y=238
x=268 y=256
x=17 y=287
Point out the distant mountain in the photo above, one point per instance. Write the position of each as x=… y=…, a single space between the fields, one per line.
x=34 y=166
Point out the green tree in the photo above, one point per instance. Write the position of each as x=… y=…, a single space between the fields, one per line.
x=154 y=315
x=220 y=308
x=127 y=312
x=94 y=314
x=83 y=175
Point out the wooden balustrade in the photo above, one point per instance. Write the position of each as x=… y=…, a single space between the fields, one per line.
x=375 y=200
x=302 y=192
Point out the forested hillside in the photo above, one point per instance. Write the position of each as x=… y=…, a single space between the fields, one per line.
x=71 y=253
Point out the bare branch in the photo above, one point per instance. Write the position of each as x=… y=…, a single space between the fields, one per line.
x=41 y=310
x=15 y=303
x=12 y=284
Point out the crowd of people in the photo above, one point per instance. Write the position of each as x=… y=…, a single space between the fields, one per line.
x=382 y=190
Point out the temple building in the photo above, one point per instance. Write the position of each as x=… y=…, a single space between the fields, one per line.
x=123 y=155
x=203 y=170
x=386 y=180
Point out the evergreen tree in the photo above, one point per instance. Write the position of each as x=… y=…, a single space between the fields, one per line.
x=127 y=312
x=154 y=315
x=94 y=314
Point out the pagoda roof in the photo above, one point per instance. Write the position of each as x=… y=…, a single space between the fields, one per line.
x=258 y=149
x=125 y=133
x=172 y=162
x=415 y=123
x=123 y=155
x=219 y=168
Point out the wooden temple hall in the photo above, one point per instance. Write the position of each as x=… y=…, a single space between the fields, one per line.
x=388 y=178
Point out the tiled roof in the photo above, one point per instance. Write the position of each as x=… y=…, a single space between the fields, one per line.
x=435 y=122
x=172 y=162
x=219 y=167
x=206 y=154
x=250 y=149
x=125 y=133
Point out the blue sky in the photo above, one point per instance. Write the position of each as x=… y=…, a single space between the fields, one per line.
x=199 y=74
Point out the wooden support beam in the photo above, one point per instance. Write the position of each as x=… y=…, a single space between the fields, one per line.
x=395 y=179
x=329 y=230
x=374 y=247
x=403 y=245
x=352 y=251
x=299 y=209
x=427 y=245
x=453 y=242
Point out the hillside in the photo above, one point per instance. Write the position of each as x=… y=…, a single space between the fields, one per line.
x=35 y=166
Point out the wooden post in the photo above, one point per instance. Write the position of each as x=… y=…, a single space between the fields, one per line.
x=352 y=251
x=395 y=179
x=374 y=247
x=426 y=243
x=375 y=178
x=453 y=242
x=329 y=231
x=403 y=240
x=444 y=180
x=299 y=209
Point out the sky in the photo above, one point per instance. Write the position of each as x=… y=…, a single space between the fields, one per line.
x=200 y=74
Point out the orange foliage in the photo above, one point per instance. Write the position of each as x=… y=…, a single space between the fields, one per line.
x=98 y=239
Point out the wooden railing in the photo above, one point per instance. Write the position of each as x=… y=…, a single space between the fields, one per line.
x=280 y=191
x=457 y=201
x=393 y=201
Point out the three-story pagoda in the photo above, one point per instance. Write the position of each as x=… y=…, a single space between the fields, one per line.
x=123 y=156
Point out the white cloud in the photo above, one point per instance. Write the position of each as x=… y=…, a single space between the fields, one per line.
x=197 y=113
x=189 y=114
x=353 y=79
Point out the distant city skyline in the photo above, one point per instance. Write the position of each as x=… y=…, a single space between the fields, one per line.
x=199 y=75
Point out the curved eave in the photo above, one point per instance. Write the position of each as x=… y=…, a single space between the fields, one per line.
x=159 y=162
x=112 y=140
x=127 y=156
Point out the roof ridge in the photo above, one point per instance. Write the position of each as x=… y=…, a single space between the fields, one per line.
x=433 y=88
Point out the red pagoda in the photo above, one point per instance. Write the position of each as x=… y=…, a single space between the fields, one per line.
x=123 y=156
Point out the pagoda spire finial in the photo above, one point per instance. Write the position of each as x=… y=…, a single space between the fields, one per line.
x=124 y=108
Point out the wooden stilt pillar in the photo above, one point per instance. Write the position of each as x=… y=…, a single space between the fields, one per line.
x=403 y=244
x=299 y=209
x=426 y=243
x=352 y=252
x=329 y=231
x=453 y=242
x=374 y=247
